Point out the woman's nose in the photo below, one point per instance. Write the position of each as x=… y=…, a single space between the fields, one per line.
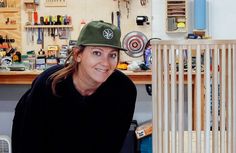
x=105 y=61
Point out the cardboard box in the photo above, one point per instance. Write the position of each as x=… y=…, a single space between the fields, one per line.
x=144 y=129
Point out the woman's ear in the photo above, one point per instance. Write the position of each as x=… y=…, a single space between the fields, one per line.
x=78 y=59
x=77 y=56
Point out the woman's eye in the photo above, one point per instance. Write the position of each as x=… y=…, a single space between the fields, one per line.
x=97 y=53
x=113 y=55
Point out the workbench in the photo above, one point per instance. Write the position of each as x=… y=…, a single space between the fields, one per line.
x=26 y=77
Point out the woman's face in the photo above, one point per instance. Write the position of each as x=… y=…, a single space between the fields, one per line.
x=96 y=63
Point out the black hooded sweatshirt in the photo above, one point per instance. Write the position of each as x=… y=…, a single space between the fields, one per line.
x=72 y=123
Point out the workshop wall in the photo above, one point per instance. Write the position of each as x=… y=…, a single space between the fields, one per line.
x=89 y=10
x=10 y=25
x=220 y=19
x=223 y=19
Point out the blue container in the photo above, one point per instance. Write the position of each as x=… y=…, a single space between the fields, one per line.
x=200 y=14
x=148 y=57
x=145 y=144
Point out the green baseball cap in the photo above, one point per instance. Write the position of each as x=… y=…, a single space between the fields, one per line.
x=100 y=33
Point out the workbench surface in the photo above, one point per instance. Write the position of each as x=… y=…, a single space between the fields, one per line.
x=26 y=77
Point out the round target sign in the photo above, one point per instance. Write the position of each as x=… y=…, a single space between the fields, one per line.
x=134 y=42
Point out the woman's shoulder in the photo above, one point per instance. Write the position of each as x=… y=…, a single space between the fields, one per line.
x=117 y=74
x=122 y=79
x=43 y=77
x=122 y=88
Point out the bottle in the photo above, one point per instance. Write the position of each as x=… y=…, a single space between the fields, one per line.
x=16 y=57
x=148 y=57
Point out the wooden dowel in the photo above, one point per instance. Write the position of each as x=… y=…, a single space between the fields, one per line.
x=215 y=101
x=207 y=99
x=229 y=102
x=166 y=101
x=190 y=99
x=160 y=100
x=223 y=70
x=198 y=99
x=173 y=100
x=155 y=121
x=181 y=102
x=222 y=104
x=234 y=99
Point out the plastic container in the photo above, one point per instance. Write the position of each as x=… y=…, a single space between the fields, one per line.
x=145 y=144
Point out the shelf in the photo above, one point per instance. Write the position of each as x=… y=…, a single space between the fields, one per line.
x=28 y=1
x=175 y=0
x=11 y=14
x=9 y=10
x=176 y=16
x=8 y=27
x=55 y=4
x=48 y=26
x=175 y=5
x=176 y=31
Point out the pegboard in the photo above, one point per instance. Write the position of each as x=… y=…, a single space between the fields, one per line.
x=10 y=22
x=55 y=3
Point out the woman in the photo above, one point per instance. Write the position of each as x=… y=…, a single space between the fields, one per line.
x=85 y=106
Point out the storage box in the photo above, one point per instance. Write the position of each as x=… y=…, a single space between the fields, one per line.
x=145 y=144
x=144 y=129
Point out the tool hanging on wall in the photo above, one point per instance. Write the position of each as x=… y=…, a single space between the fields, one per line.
x=42 y=38
x=112 y=17
x=6 y=43
x=143 y=2
x=8 y=3
x=32 y=35
x=140 y=20
x=39 y=40
x=127 y=5
x=134 y=42
x=118 y=19
x=35 y=17
x=28 y=36
x=118 y=5
x=30 y=20
x=41 y=20
x=2 y=4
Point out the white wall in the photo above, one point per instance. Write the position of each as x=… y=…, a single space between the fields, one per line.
x=221 y=19
x=158 y=22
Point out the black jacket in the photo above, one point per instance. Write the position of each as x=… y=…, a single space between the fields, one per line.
x=44 y=123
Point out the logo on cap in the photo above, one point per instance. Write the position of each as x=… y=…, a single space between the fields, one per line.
x=108 y=34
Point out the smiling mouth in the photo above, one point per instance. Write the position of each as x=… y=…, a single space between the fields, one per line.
x=102 y=70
